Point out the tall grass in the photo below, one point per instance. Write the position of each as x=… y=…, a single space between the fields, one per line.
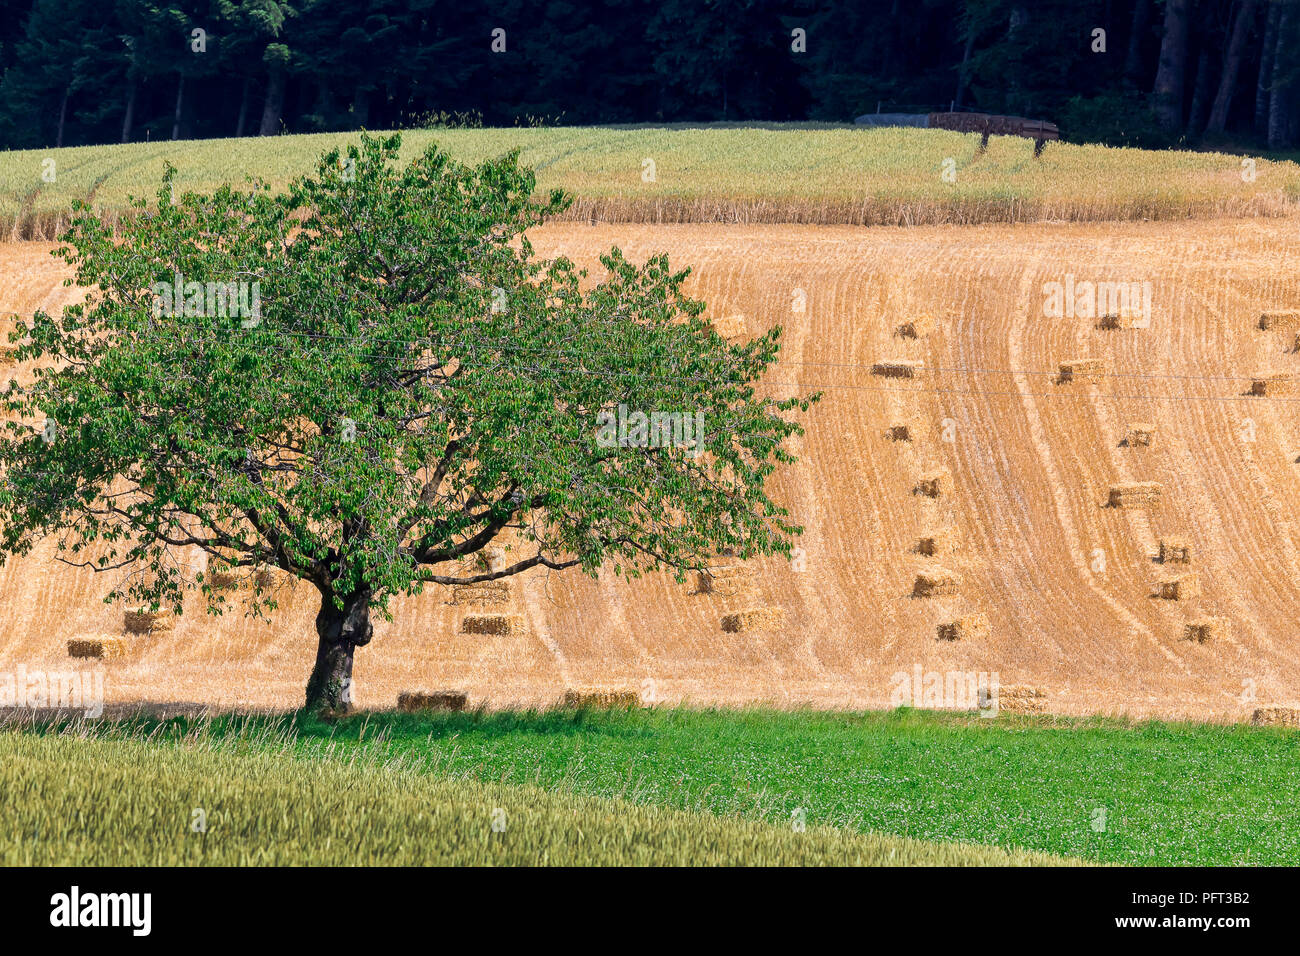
x=1103 y=790
x=73 y=799
x=792 y=173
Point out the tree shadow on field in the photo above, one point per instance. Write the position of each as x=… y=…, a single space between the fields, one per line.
x=479 y=724
x=162 y=720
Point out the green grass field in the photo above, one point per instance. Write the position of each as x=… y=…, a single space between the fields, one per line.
x=66 y=800
x=1171 y=794
x=763 y=173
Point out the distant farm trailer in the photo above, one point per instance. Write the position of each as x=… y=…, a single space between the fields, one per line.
x=986 y=124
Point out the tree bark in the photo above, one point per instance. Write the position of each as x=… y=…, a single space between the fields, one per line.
x=243 y=106
x=1133 y=62
x=180 y=102
x=63 y=116
x=961 y=72
x=1171 y=76
x=360 y=108
x=129 y=119
x=1265 y=76
x=1231 y=67
x=274 y=102
x=1279 y=98
x=339 y=632
x=1200 y=91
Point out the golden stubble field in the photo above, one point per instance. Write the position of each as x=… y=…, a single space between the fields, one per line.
x=1067 y=586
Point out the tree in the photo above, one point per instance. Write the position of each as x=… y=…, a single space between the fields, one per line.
x=1231 y=67
x=1264 y=77
x=1170 y=77
x=406 y=384
x=1284 y=76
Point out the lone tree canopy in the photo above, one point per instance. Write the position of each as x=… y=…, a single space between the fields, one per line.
x=366 y=380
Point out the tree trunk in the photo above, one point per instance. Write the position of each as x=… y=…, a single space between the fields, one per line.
x=961 y=72
x=63 y=116
x=1279 y=98
x=1231 y=67
x=243 y=106
x=1137 y=32
x=180 y=102
x=274 y=102
x=339 y=632
x=360 y=108
x=129 y=119
x=1265 y=76
x=1170 y=77
x=1200 y=91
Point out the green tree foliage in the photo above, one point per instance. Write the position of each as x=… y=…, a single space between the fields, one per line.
x=412 y=385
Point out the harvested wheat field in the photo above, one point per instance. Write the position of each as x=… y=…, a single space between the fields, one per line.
x=1064 y=580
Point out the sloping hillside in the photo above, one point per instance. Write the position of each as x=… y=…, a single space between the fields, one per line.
x=1065 y=582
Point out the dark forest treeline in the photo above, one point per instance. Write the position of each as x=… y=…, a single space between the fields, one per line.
x=1160 y=72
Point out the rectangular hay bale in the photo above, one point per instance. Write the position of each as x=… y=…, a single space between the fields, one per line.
x=411 y=701
x=936 y=582
x=101 y=648
x=917 y=328
x=495 y=624
x=1140 y=435
x=753 y=619
x=936 y=543
x=1273 y=383
x=724 y=580
x=935 y=484
x=144 y=621
x=1205 y=630
x=1082 y=370
x=1021 y=698
x=1175 y=550
x=1126 y=318
x=601 y=699
x=1130 y=494
x=1279 y=320
x=966 y=627
x=898 y=369
x=484 y=592
x=1181 y=587
x=1276 y=717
